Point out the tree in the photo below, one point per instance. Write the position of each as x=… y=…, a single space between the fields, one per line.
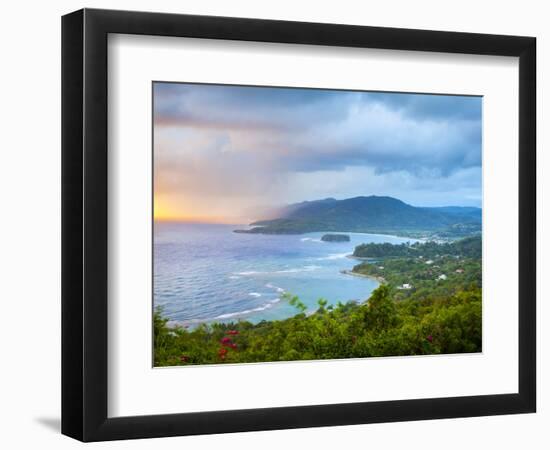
x=380 y=312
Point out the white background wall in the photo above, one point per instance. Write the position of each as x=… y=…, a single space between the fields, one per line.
x=30 y=223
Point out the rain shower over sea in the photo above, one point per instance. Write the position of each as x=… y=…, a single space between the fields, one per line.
x=208 y=273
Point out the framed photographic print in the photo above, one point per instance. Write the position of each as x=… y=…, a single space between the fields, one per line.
x=273 y=224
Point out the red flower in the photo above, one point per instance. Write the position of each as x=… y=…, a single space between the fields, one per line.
x=233 y=345
x=184 y=358
x=430 y=338
x=233 y=332
x=225 y=341
x=222 y=352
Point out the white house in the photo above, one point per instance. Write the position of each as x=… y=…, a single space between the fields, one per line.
x=429 y=262
x=442 y=277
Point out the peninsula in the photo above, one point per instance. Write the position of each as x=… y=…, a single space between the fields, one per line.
x=372 y=214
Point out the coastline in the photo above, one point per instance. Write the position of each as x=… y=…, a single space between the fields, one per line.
x=194 y=323
x=380 y=280
x=238 y=317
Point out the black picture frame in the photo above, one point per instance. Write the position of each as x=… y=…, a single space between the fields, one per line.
x=84 y=224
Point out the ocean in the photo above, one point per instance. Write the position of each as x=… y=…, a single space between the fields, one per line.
x=206 y=272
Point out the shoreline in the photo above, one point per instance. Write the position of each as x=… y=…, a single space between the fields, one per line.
x=380 y=280
x=194 y=323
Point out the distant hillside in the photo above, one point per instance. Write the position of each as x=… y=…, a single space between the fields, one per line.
x=369 y=214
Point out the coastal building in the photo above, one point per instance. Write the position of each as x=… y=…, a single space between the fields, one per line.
x=405 y=286
x=429 y=262
x=459 y=270
x=442 y=277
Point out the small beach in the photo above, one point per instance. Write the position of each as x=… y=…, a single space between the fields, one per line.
x=379 y=280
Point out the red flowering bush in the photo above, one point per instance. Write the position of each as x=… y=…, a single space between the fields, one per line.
x=226 y=341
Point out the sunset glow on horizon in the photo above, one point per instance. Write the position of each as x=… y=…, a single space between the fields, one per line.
x=164 y=212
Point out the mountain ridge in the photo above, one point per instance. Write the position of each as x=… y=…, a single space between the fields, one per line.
x=368 y=214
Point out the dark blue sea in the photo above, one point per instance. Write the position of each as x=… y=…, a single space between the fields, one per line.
x=206 y=272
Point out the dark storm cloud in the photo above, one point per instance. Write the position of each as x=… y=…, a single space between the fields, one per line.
x=239 y=106
x=321 y=129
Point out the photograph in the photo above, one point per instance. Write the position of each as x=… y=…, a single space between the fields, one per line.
x=314 y=224
x=266 y=225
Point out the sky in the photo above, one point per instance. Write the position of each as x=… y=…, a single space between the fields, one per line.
x=229 y=154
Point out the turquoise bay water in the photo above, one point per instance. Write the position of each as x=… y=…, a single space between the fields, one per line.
x=205 y=272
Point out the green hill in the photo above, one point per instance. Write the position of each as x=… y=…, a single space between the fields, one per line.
x=369 y=214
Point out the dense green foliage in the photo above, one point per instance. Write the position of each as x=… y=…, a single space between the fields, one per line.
x=466 y=248
x=422 y=270
x=335 y=238
x=371 y=214
x=445 y=276
x=379 y=327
